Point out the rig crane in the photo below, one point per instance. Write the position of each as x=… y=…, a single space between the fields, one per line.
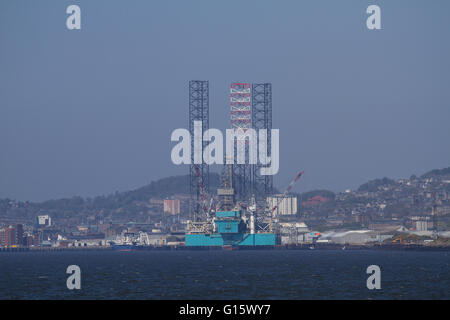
x=264 y=222
x=293 y=182
x=203 y=195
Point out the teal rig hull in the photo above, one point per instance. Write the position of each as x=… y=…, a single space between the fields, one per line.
x=231 y=232
x=238 y=239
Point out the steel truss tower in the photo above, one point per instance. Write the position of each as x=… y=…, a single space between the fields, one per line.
x=241 y=118
x=262 y=186
x=198 y=173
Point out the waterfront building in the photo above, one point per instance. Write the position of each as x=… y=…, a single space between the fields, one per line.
x=283 y=206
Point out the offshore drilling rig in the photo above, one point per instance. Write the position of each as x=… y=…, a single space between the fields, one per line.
x=230 y=226
x=241 y=216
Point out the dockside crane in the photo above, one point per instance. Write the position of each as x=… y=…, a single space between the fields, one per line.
x=288 y=189
x=265 y=221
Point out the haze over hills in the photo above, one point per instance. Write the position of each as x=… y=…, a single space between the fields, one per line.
x=133 y=202
x=143 y=200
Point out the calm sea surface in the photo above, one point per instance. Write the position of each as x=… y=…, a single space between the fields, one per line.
x=272 y=274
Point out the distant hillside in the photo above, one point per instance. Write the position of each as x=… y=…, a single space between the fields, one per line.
x=132 y=201
x=165 y=187
x=372 y=186
x=127 y=201
x=437 y=172
x=330 y=195
x=159 y=189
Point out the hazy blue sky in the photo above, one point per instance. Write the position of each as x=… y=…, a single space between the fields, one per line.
x=90 y=112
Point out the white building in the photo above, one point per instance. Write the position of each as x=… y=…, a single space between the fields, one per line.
x=172 y=206
x=286 y=206
x=44 y=220
x=421 y=225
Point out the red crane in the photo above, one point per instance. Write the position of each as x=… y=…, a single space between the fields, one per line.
x=293 y=182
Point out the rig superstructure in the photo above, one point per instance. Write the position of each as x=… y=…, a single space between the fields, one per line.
x=241 y=216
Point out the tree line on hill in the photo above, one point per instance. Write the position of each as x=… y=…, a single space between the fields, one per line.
x=162 y=188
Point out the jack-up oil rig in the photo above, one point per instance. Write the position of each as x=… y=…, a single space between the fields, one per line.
x=241 y=216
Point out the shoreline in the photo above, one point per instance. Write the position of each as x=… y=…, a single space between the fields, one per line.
x=351 y=247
